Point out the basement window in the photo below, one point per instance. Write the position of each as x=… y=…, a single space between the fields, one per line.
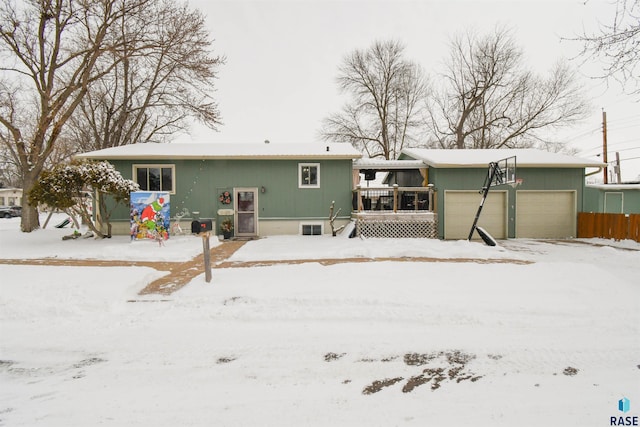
x=311 y=229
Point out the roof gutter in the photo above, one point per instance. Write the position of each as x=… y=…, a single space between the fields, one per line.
x=215 y=157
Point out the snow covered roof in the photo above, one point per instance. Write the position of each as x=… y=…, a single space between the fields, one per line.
x=525 y=158
x=621 y=186
x=226 y=151
x=381 y=164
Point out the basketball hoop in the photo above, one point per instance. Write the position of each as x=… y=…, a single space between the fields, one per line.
x=516 y=182
x=499 y=173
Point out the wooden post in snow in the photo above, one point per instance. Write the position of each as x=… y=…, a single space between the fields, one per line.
x=206 y=251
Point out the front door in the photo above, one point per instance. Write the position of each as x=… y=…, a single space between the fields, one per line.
x=246 y=208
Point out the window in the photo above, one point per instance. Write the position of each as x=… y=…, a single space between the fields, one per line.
x=309 y=175
x=154 y=177
x=311 y=229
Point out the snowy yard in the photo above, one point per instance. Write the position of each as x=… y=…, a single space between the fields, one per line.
x=549 y=336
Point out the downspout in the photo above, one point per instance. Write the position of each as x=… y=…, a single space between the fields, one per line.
x=593 y=173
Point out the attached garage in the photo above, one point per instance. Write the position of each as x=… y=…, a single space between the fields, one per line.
x=543 y=202
x=546 y=214
x=460 y=208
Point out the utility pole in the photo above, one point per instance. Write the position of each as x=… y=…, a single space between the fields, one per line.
x=618 y=171
x=604 y=146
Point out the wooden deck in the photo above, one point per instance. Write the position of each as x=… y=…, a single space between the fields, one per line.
x=392 y=212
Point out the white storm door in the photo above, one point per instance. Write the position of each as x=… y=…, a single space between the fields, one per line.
x=246 y=208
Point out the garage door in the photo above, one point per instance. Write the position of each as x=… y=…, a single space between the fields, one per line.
x=460 y=209
x=545 y=214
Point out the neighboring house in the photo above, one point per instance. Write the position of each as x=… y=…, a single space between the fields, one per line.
x=612 y=198
x=10 y=196
x=611 y=211
x=544 y=205
x=273 y=188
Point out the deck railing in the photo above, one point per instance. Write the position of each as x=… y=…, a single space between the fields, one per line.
x=393 y=199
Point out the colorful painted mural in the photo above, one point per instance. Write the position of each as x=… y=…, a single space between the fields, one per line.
x=150 y=214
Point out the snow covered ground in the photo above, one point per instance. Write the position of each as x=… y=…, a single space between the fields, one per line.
x=553 y=342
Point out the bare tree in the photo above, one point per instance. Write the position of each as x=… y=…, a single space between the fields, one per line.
x=164 y=76
x=618 y=45
x=9 y=170
x=490 y=100
x=387 y=94
x=9 y=161
x=54 y=51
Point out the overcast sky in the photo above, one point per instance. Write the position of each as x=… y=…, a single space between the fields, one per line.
x=282 y=58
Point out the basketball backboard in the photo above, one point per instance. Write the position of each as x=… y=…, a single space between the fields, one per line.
x=504 y=171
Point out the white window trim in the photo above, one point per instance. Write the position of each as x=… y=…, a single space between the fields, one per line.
x=300 y=166
x=134 y=175
x=312 y=223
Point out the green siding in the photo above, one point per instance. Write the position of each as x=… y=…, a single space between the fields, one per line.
x=198 y=184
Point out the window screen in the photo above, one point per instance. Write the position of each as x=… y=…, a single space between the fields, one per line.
x=309 y=175
x=311 y=229
x=154 y=178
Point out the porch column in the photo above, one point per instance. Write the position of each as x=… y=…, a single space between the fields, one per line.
x=395 y=198
x=431 y=198
x=355 y=177
x=425 y=176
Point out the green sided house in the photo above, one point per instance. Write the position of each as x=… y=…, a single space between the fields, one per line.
x=545 y=203
x=266 y=189
x=613 y=198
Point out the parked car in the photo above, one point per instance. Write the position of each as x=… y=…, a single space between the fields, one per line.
x=10 y=211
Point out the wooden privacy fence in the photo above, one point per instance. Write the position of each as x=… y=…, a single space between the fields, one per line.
x=609 y=226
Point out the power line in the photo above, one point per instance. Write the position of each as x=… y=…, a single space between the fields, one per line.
x=584 y=133
x=630 y=158
x=627 y=141
x=627 y=149
x=623 y=127
x=624 y=119
x=591 y=131
x=599 y=147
